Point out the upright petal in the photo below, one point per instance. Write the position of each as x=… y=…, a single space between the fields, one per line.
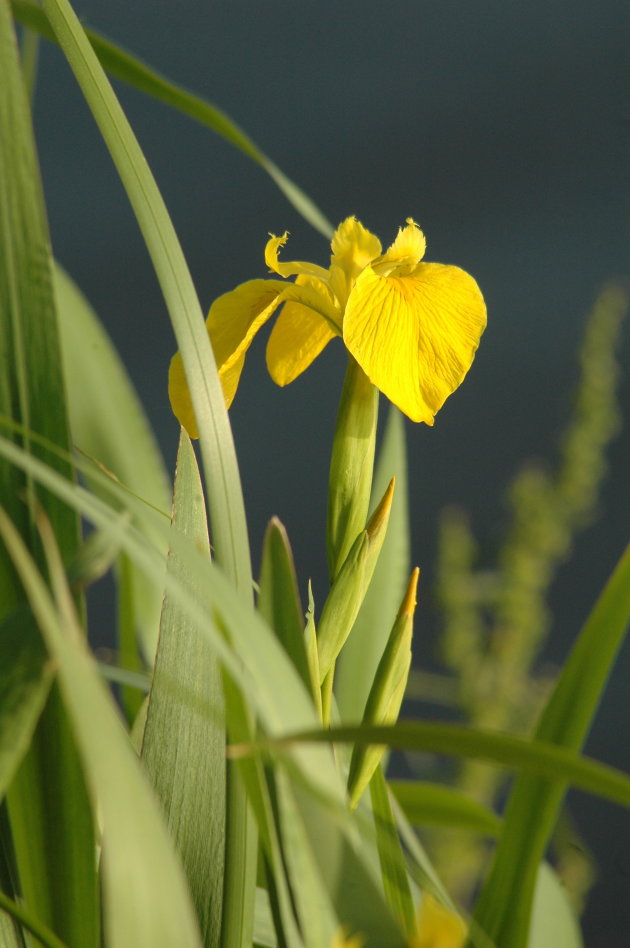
x=405 y=253
x=353 y=249
x=415 y=336
x=353 y=246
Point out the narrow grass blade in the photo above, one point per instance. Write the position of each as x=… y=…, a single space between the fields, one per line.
x=317 y=918
x=504 y=906
x=31 y=382
x=109 y=424
x=514 y=753
x=427 y=804
x=9 y=937
x=393 y=867
x=25 y=680
x=135 y=73
x=145 y=896
x=57 y=873
x=222 y=478
x=362 y=652
x=184 y=735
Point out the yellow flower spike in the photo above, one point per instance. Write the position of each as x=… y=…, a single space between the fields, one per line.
x=438 y=926
x=413 y=327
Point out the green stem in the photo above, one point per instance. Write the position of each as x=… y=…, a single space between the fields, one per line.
x=352 y=465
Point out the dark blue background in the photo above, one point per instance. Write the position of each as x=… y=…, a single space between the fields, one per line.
x=501 y=128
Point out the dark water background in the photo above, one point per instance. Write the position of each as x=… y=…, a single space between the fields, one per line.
x=502 y=129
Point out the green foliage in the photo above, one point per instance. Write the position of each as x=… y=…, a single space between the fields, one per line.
x=228 y=809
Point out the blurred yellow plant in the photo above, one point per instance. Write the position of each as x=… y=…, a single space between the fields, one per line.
x=438 y=926
x=413 y=327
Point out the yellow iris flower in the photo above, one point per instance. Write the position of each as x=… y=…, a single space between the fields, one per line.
x=413 y=327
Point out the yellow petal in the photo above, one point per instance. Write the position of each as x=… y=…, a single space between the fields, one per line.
x=415 y=336
x=438 y=926
x=179 y=396
x=235 y=318
x=232 y=323
x=289 y=269
x=296 y=340
x=353 y=249
x=179 y=393
x=405 y=253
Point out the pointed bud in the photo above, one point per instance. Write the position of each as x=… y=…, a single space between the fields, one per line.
x=349 y=589
x=386 y=693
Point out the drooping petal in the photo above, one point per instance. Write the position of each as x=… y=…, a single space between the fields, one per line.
x=415 y=336
x=299 y=335
x=179 y=393
x=405 y=253
x=294 y=267
x=235 y=318
x=233 y=321
x=179 y=396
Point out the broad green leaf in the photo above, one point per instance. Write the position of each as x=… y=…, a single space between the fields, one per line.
x=222 y=479
x=135 y=73
x=279 y=599
x=108 y=423
x=504 y=906
x=553 y=920
x=362 y=652
x=184 y=735
x=146 y=902
x=57 y=873
x=427 y=804
x=393 y=867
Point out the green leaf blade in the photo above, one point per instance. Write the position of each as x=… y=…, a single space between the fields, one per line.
x=146 y=899
x=184 y=736
x=504 y=906
x=47 y=797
